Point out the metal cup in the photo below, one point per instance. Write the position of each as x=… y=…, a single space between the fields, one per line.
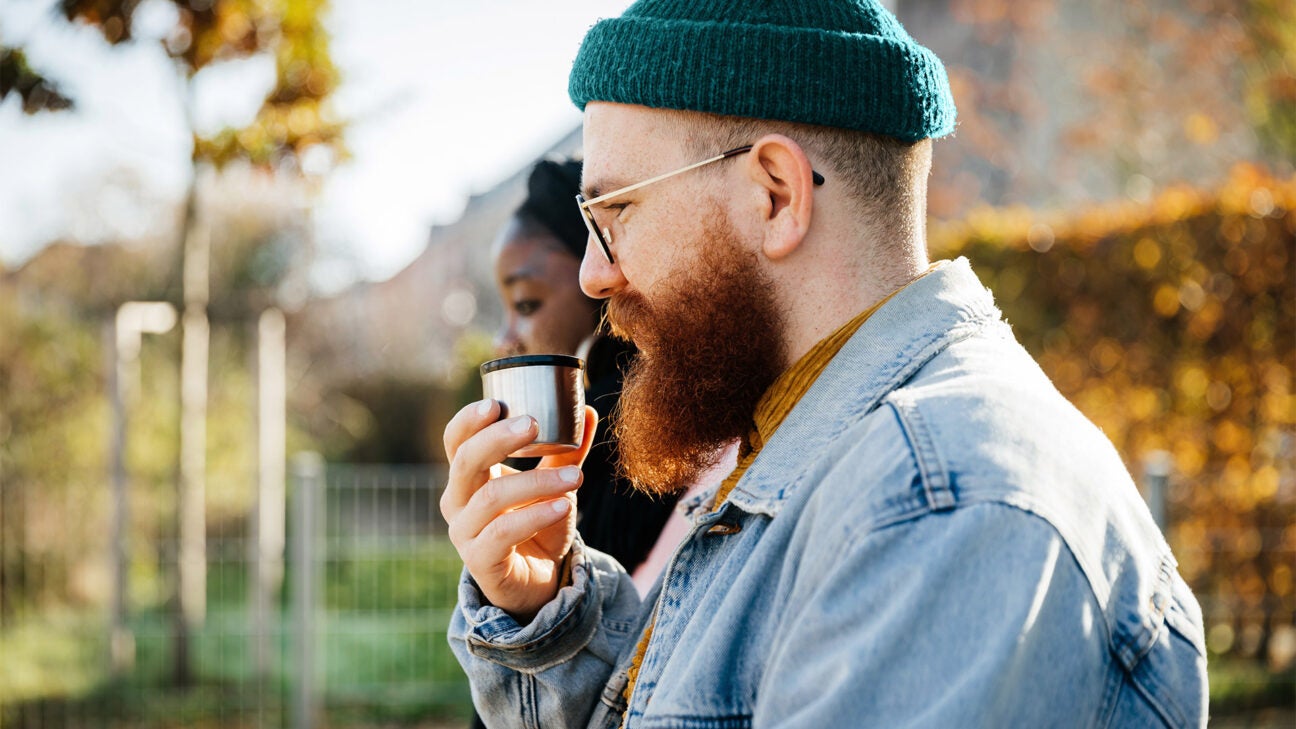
x=548 y=388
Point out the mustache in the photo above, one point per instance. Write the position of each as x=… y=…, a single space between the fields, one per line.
x=625 y=316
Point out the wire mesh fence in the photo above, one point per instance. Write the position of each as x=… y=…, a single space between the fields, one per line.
x=353 y=632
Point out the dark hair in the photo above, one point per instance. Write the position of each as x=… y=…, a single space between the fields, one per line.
x=551 y=203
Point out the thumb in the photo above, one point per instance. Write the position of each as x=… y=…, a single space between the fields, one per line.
x=576 y=457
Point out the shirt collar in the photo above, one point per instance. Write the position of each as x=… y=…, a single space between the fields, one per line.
x=778 y=401
x=786 y=391
x=885 y=349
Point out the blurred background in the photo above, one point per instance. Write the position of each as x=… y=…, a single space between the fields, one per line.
x=245 y=280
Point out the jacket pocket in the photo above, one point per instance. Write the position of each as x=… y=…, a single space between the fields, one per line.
x=1168 y=685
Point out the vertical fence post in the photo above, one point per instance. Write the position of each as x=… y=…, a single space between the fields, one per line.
x=119 y=378
x=267 y=551
x=191 y=501
x=308 y=483
x=123 y=335
x=1157 y=466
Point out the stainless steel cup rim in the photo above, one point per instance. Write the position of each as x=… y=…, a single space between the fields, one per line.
x=532 y=360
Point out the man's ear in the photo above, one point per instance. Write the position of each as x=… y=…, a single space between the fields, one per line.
x=780 y=166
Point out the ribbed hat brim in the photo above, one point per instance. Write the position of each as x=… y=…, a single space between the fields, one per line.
x=846 y=80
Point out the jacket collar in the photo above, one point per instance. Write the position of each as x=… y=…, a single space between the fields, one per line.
x=938 y=309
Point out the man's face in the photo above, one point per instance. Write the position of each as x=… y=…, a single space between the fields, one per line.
x=690 y=292
x=624 y=145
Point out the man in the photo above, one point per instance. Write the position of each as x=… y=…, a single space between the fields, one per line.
x=920 y=531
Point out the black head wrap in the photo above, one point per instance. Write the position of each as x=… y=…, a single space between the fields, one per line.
x=551 y=202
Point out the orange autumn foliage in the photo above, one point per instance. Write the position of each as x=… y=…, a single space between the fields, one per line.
x=1172 y=325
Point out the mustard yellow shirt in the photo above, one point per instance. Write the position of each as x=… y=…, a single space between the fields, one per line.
x=787 y=391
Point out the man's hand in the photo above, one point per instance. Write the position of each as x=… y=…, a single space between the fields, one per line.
x=514 y=530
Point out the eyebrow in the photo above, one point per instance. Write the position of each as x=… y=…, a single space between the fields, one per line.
x=525 y=273
x=599 y=186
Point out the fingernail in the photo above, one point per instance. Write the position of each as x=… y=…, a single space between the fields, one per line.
x=484 y=407
x=569 y=474
x=521 y=425
x=561 y=505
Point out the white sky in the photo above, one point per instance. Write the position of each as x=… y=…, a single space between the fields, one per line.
x=444 y=99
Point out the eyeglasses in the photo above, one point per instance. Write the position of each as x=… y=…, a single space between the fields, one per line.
x=604 y=235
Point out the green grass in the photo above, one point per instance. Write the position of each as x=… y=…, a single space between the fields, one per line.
x=1238 y=685
x=380 y=654
x=57 y=655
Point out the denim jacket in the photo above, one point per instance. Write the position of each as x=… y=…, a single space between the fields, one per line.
x=934 y=537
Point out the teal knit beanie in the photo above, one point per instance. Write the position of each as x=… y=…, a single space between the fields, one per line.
x=837 y=63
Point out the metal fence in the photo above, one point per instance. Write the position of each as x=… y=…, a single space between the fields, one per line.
x=348 y=632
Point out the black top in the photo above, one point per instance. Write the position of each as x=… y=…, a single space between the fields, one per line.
x=612 y=516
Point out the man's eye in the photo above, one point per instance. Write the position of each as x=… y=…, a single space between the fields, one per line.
x=526 y=307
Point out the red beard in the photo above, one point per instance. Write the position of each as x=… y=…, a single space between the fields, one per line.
x=710 y=347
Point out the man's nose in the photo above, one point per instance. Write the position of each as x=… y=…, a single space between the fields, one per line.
x=599 y=278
